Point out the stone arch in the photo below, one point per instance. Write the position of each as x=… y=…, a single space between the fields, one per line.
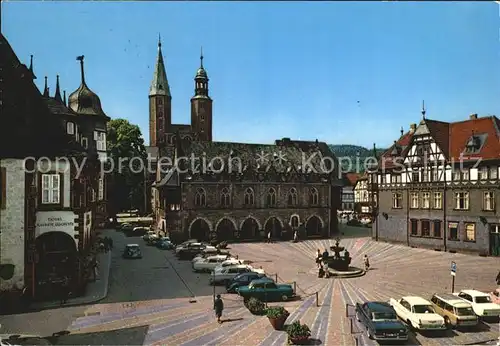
x=250 y=227
x=291 y=219
x=226 y=229
x=202 y=234
x=275 y=229
x=314 y=225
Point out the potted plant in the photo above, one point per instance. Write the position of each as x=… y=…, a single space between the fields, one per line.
x=298 y=334
x=277 y=315
x=255 y=306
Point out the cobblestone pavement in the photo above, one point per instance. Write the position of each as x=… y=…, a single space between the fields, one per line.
x=396 y=271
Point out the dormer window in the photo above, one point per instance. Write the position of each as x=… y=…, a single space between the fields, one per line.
x=473 y=144
x=70 y=128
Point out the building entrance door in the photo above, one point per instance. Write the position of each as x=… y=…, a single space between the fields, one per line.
x=495 y=240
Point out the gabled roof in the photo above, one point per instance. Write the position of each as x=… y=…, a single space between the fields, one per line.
x=388 y=160
x=352 y=178
x=461 y=132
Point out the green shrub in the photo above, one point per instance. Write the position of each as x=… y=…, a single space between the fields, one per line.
x=298 y=331
x=255 y=306
x=277 y=312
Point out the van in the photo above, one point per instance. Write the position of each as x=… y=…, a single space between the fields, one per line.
x=456 y=312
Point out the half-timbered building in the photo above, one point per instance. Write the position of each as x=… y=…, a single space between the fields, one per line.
x=236 y=191
x=44 y=171
x=363 y=199
x=438 y=187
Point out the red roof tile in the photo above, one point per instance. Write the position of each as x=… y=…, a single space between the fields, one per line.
x=352 y=178
x=461 y=132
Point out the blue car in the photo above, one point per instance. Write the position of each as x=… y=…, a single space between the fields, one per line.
x=165 y=244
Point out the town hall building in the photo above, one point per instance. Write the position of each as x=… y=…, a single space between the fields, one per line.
x=237 y=191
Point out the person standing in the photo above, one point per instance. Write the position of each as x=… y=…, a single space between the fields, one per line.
x=318 y=258
x=295 y=237
x=367 y=263
x=269 y=237
x=218 y=307
x=498 y=279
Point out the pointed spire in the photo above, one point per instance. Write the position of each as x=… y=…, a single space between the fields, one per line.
x=57 y=96
x=64 y=97
x=80 y=58
x=201 y=57
x=46 y=89
x=402 y=131
x=423 y=109
x=159 y=84
x=31 y=67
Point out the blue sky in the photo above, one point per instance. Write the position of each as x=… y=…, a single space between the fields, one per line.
x=276 y=69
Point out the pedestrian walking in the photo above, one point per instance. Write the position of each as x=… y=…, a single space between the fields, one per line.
x=325 y=268
x=318 y=258
x=269 y=237
x=295 y=236
x=218 y=307
x=65 y=290
x=325 y=255
x=367 y=263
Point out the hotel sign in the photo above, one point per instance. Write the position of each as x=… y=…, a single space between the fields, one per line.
x=55 y=221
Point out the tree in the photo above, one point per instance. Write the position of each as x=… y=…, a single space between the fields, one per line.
x=128 y=154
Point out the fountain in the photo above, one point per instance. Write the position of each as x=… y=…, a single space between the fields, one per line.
x=339 y=265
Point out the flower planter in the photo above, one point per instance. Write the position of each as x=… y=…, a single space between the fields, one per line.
x=301 y=340
x=278 y=323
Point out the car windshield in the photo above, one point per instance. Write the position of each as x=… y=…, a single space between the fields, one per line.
x=422 y=309
x=464 y=311
x=483 y=299
x=383 y=316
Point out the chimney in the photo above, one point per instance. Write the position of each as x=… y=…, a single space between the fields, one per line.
x=473 y=116
x=413 y=127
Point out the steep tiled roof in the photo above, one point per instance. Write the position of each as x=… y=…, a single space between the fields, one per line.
x=352 y=178
x=402 y=144
x=461 y=132
x=57 y=107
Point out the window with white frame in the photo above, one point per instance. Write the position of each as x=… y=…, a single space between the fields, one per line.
x=70 y=128
x=414 y=200
x=482 y=173
x=462 y=200
x=51 y=189
x=488 y=200
x=100 y=138
x=100 y=192
x=438 y=200
x=493 y=172
x=426 y=200
x=397 y=200
x=470 y=232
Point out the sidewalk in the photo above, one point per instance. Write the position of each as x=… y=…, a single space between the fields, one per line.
x=95 y=291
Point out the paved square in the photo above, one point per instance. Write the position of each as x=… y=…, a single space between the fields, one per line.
x=396 y=271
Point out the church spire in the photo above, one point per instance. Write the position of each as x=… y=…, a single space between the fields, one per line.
x=201 y=57
x=423 y=110
x=201 y=79
x=159 y=84
x=64 y=97
x=31 y=67
x=57 y=96
x=46 y=89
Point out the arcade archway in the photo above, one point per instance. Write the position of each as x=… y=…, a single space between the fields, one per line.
x=199 y=230
x=226 y=230
x=273 y=225
x=314 y=227
x=249 y=229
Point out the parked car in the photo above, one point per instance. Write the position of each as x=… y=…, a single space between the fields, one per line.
x=125 y=227
x=208 y=264
x=229 y=262
x=186 y=243
x=204 y=254
x=495 y=296
x=243 y=280
x=164 y=244
x=266 y=290
x=481 y=303
x=190 y=252
x=456 y=312
x=149 y=235
x=137 y=231
x=381 y=322
x=224 y=275
x=418 y=313
x=132 y=251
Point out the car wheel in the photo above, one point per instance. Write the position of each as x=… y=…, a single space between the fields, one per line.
x=410 y=325
x=284 y=297
x=447 y=322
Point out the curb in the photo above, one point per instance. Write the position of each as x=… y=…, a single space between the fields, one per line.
x=90 y=300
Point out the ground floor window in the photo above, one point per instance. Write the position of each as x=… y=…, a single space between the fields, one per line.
x=425 y=228
x=453 y=231
x=470 y=232
x=437 y=228
x=413 y=227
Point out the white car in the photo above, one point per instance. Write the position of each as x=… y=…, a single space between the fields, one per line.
x=208 y=264
x=204 y=255
x=418 y=313
x=225 y=274
x=187 y=246
x=230 y=262
x=481 y=303
x=150 y=235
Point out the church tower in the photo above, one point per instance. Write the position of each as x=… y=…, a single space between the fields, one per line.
x=201 y=106
x=160 y=103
